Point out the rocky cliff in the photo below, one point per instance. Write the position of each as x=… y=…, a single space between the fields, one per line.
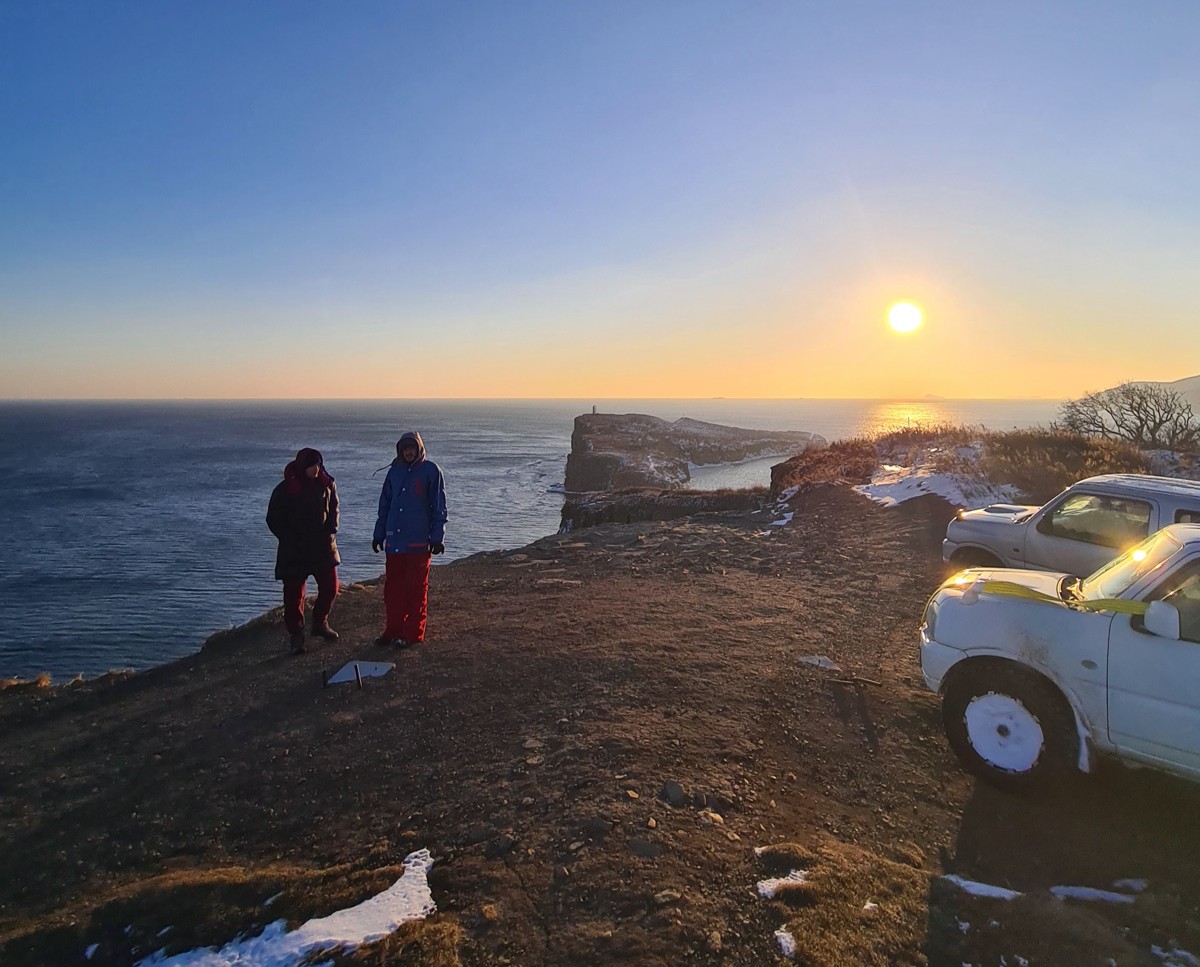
x=610 y=450
x=628 y=506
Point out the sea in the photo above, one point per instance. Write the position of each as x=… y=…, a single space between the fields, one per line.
x=134 y=530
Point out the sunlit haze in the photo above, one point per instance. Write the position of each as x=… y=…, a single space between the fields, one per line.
x=613 y=199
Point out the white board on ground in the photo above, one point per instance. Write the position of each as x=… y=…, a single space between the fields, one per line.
x=368 y=669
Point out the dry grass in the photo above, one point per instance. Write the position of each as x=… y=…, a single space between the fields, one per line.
x=842 y=462
x=1041 y=463
x=833 y=928
x=1038 y=462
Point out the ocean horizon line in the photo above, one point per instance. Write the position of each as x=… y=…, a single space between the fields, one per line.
x=524 y=399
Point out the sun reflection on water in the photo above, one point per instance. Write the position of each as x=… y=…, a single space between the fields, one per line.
x=889 y=415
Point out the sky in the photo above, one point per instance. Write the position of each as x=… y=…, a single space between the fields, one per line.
x=655 y=198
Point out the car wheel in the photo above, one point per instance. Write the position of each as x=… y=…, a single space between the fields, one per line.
x=1010 y=727
x=974 y=557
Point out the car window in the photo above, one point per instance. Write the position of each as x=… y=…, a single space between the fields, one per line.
x=1100 y=519
x=1187 y=517
x=1182 y=589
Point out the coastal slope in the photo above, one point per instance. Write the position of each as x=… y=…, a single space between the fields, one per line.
x=602 y=730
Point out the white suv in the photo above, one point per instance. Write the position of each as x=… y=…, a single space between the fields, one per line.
x=1085 y=526
x=1038 y=670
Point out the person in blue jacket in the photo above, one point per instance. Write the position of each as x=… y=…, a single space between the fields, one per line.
x=411 y=526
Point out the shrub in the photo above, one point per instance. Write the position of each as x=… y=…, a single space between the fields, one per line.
x=1148 y=415
x=1041 y=463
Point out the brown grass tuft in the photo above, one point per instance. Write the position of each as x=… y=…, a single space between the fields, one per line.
x=782 y=858
x=835 y=929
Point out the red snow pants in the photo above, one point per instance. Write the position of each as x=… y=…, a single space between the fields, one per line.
x=406 y=595
x=293 y=599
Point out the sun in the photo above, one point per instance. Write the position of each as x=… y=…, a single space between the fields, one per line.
x=904 y=317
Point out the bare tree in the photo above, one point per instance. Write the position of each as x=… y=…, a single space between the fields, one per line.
x=1148 y=415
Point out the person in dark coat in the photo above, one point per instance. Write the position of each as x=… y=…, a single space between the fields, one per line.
x=303 y=515
x=411 y=526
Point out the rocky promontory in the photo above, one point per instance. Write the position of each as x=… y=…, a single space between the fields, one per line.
x=611 y=450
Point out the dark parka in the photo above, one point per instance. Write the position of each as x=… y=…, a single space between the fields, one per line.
x=303 y=515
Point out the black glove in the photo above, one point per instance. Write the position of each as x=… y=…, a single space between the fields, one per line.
x=437 y=548
x=376 y=546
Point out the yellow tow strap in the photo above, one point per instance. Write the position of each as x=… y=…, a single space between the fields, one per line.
x=1012 y=590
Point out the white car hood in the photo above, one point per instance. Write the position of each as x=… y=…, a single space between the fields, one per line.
x=1044 y=581
x=998 y=513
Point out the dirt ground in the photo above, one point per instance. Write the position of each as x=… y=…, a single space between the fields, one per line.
x=568 y=690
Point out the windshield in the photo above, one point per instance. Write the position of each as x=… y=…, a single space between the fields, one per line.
x=1112 y=580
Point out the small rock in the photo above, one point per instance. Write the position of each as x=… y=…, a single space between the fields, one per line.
x=771 y=804
x=479 y=834
x=673 y=794
x=713 y=819
x=532 y=744
x=534 y=760
x=576 y=846
x=667 y=896
x=502 y=845
x=713 y=941
x=732 y=836
x=599 y=827
x=527 y=801
x=651 y=823
x=645 y=849
x=631 y=794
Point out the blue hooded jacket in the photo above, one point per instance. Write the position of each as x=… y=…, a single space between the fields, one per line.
x=412 y=504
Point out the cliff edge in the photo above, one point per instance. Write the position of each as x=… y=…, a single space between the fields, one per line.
x=615 y=450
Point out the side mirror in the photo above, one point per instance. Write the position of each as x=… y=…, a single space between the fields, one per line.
x=1162 y=619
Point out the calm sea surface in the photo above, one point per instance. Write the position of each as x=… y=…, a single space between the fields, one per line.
x=134 y=530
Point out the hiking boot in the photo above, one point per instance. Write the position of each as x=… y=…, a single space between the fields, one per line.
x=400 y=642
x=321 y=629
x=297 y=643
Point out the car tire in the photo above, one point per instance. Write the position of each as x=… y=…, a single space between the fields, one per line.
x=974 y=557
x=1010 y=727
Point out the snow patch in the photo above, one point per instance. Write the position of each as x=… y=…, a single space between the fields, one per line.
x=1089 y=893
x=768 y=888
x=821 y=661
x=892 y=485
x=1175 y=958
x=409 y=898
x=787 y=943
x=1130 y=885
x=976 y=888
x=786 y=519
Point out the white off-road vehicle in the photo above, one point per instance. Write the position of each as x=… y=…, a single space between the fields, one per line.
x=1085 y=526
x=1039 y=671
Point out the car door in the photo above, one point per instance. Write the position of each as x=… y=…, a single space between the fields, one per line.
x=1083 y=531
x=1153 y=690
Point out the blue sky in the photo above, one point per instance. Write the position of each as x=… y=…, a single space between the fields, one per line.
x=596 y=199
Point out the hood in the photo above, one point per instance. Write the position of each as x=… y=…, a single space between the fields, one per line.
x=1045 y=582
x=305 y=458
x=410 y=435
x=999 y=513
